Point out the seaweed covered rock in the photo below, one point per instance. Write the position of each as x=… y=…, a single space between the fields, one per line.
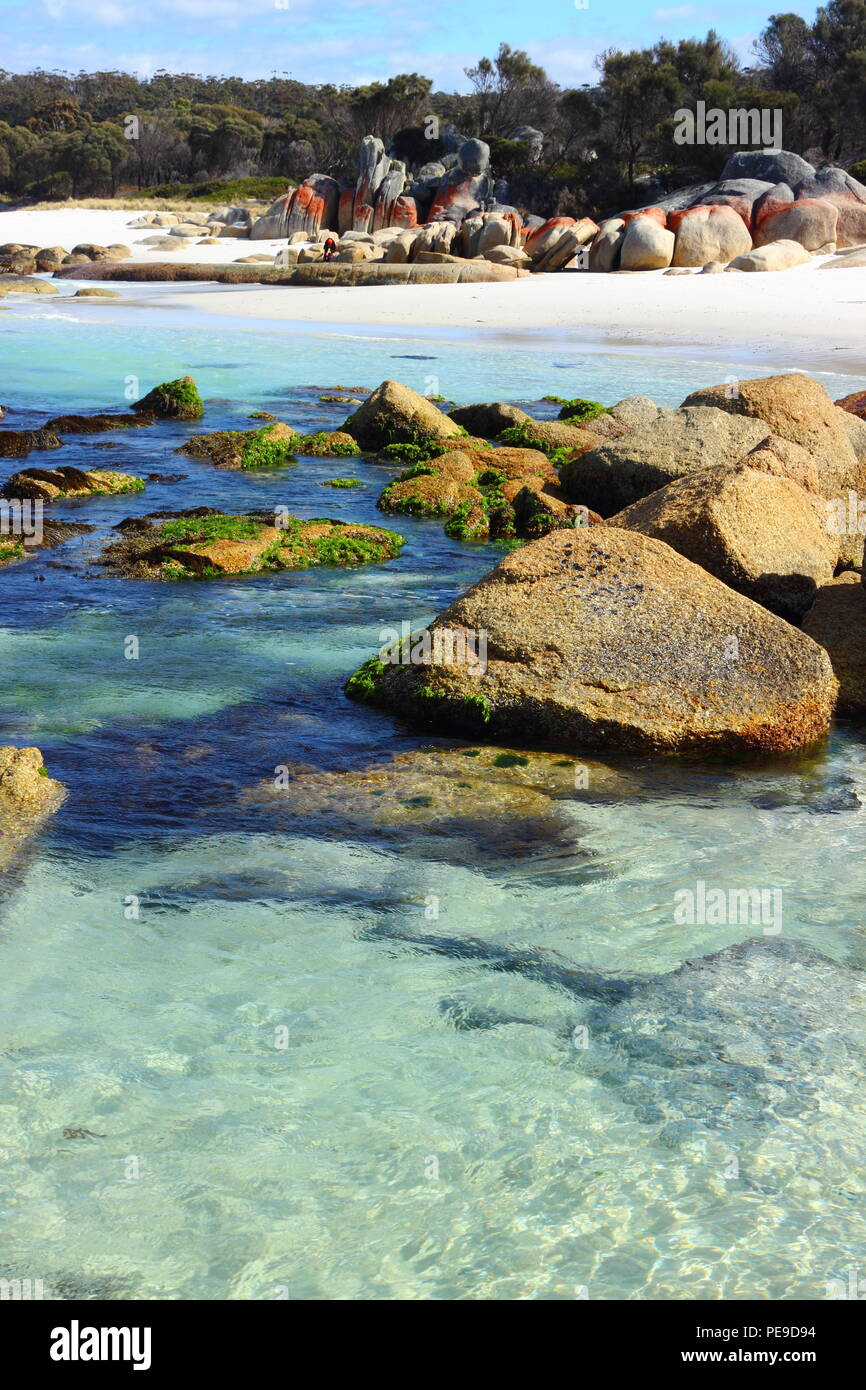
x=762 y=535
x=394 y=414
x=607 y=638
x=268 y=447
x=675 y=443
x=55 y=484
x=17 y=444
x=206 y=544
x=476 y=492
x=550 y=435
x=173 y=400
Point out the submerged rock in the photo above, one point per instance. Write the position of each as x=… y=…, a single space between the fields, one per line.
x=27 y=797
x=603 y=637
x=205 y=544
x=173 y=400
x=94 y=424
x=17 y=444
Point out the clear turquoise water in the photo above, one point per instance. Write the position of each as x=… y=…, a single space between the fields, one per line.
x=383 y=1152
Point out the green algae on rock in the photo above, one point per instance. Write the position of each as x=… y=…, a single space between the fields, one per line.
x=205 y=546
x=56 y=484
x=173 y=400
x=270 y=447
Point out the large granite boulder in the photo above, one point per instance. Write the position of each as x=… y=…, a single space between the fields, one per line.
x=646 y=245
x=775 y=255
x=373 y=165
x=606 y=246
x=708 y=233
x=739 y=194
x=676 y=443
x=394 y=414
x=773 y=166
x=811 y=222
x=603 y=637
x=795 y=407
x=762 y=535
x=837 y=622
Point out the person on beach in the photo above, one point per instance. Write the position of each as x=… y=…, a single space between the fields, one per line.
x=330 y=250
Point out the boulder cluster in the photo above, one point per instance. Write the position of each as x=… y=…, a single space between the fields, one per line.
x=770 y=210
x=693 y=592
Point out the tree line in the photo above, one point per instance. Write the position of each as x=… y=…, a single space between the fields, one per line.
x=103 y=133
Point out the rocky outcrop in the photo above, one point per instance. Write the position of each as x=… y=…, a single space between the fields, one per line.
x=466 y=187
x=837 y=622
x=173 y=400
x=622 y=471
x=394 y=414
x=795 y=407
x=773 y=166
x=762 y=535
x=602 y=637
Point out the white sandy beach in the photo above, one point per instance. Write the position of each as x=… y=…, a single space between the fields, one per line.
x=810 y=317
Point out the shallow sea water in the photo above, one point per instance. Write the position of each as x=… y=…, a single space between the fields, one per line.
x=293 y=1090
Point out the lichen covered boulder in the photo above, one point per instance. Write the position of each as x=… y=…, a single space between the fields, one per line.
x=395 y=414
x=677 y=442
x=795 y=407
x=602 y=637
x=837 y=622
x=207 y=545
x=173 y=400
x=762 y=535
x=708 y=233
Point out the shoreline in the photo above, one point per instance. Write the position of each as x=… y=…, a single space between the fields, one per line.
x=822 y=331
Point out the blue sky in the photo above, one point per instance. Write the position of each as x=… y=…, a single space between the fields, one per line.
x=351 y=41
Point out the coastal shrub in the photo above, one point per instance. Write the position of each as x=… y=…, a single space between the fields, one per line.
x=858 y=171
